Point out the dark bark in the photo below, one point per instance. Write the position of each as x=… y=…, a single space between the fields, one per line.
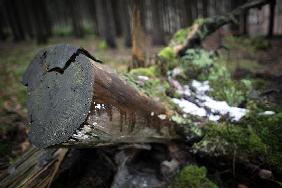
x=93 y=14
x=125 y=22
x=29 y=18
x=105 y=22
x=39 y=25
x=243 y=23
x=188 y=12
x=205 y=5
x=76 y=18
x=271 y=18
x=14 y=20
x=116 y=16
x=158 y=33
x=3 y=24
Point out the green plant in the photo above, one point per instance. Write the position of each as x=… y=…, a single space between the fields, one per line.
x=103 y=45
x=192 y=176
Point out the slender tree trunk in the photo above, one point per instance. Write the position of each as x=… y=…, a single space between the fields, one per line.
x=29 y=19
x=106 y=22
x=76 y=18
x=205 y=6
x=116 y=16
x=40 y=30
x=188 y=12
x=14 y=20
x=158 y=33
x=3 y=24
x=46 y=18
x=93 y=14
x=271 y=18
x=125 y=21
x=138 y=53
x=243 y=23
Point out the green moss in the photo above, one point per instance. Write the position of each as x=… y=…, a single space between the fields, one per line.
x=155 y=87
x=193 y=177
x=269 y=129
x=180 y=36
x=196 y=64
x=167 y=53
x=223 y=139
x=151 y=72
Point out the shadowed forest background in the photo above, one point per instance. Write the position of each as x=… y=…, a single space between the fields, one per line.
x=130 y=34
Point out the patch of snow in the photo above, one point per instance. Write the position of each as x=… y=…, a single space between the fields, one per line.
x=201 y=101
x=267 y=113
x=189 y=107
x=200 y=87
x=162 y=116
x=143 y=78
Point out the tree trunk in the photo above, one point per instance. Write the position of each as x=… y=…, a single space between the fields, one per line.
x=105 y=22
x=125 y=21
x=188 y=12
x=271 y=18
x=138 y=53
x=76 y=19
x=93 y=14
x=205 y=6
x=158 y=33
x=96 y=106
x=14 y=20
x=39 y=25
x=116 y=17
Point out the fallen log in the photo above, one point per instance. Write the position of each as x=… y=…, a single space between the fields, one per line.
x=36 y=168
x=202 y=28
x=74 y=100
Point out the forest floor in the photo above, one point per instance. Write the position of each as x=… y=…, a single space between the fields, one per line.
x=239 y=57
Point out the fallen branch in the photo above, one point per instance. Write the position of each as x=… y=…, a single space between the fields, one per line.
x=76 y=101
x=36 y=168
x=200 y=30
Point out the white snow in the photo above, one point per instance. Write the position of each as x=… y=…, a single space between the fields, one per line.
x=189 y=107
x=267 y=113
x=202 y=101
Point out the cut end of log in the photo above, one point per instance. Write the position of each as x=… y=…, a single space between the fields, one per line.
x=60 y=92
x=75 y=101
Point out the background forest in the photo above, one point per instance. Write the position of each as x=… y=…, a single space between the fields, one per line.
x=240 y=62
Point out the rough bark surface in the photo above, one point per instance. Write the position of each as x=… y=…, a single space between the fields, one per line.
x=36 y=168
x=75 y=100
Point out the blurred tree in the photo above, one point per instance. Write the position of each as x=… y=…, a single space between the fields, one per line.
x=116 y=16
x=158 y=33
x=123 y=7
x=138 y=54
x=106 y=23
x=14 y=20
x=271 y=18
x=76 y=18
x=40 y=20
x=93 y=14
x=186 y=13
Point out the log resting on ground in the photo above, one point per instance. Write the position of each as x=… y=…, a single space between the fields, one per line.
x=74 y=100
x=36 y=168
x=202 y=29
